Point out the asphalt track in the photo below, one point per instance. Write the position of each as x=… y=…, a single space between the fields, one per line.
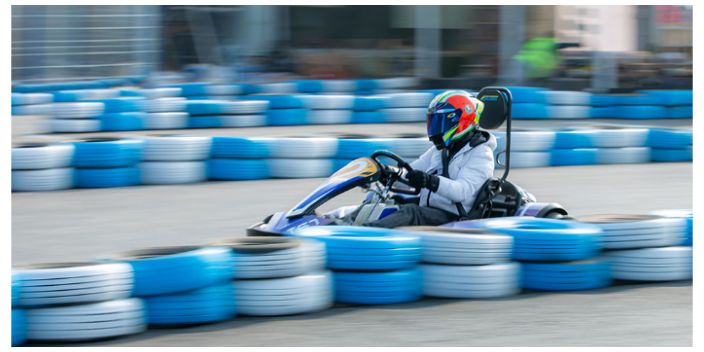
x=80 y=224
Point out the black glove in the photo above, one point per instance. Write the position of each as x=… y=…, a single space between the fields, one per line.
x=420 y=179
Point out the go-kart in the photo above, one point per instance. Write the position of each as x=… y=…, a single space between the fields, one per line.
x=498 y=197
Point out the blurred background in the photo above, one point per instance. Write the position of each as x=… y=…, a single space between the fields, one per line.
x=566 y=47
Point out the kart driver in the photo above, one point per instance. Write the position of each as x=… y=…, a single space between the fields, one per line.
x=450 y=174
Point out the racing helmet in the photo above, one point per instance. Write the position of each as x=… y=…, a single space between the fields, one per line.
x=452 y=115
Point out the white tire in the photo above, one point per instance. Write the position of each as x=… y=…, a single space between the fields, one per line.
x=246 y=107
x=410 y=100
x=278 y=88
x=77 y=110
x=36 y=156
x=653 y=264
x=526 y=159
x=398 y=83
x=87 y=322
x=328 y=102
x=638 y=231
x=481 y=281
x=462 y=247
x=153 y=93
x=294 y=295
x=266 y=257
x=166 y=120
x=43 y=180
x=339 y=86
x=242 y=120
x=40 y=109
x=569 y=112
x=567 y=98
x=315 y=255
x=176 y=148
x=615 y=137
x=172 y=173
x=329 y=117
x=526 y=141
x=166 y=105
x=405 y=114
x=75 y=125
x=300 y=168
x=32 y=98
x=304 y=147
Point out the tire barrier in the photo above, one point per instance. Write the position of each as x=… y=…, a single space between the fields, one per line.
x=638 y=231
x=121 y=104
x=73 y=283
x=205 y=305
x=108 y=178
x=88 y=321
x=328 y=117
x=282 y=155
x=19 y=327
x=568 y=276
x=35 y=156
x=286 y=296
x=529 y=111
x=405 y=114
x=202 y=121
x=273 y=257
x=188 y=89
x=409 y=100
x=528 y=94
x=367 y=117
x=165 y=120
x=472 y=281
x=686 y=214
x=286 y=117
x=197 y=267
x=569 y=112
x=327 y=102
x=653 y=264
x=567 y=98
x=365 y=249
x=378 y=287
x=370 y=103
x=242 y=120
x=166 y=105
x=549 y=240
x=83 y=110
x=671 y=97
x=31 y=99
x=41 y=109
x=152 y=93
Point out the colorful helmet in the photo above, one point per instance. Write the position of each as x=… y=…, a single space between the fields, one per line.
x=451 y=116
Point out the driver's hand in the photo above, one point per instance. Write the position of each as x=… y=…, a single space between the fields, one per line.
x=390 y=169
x=421 y=179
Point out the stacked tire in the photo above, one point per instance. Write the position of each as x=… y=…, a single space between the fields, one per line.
x=182 y=285
x=284 y=109
x=303 y=157
x=351 y=147
x=370 y=265
x=77 y=302
x=671 y=145
x=279 y=275
x=165 y=113
x=686 y=214
x=122 y=113
x=407 y=107
x=220 y=113
x=555 y=254
x=75 y=117
x=528 y=148
x=42 y=167
x=107 y=162
x=367 y=110
x=240 y=158
x=328 y=109
x=462 y=263
x=175 y=159
x=31 y=104
x=646 y=247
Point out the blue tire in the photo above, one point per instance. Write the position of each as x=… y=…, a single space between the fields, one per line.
x=670 y=138
x=19 y=327
x=683 y=112
x=637 y=99
x=206 y=107
x=530 y=111
x=366 y=84
x=568 y=157
x=242 y=147
x=286 y=117
x=165 y=270
x=205 y=305
x=107 y=152
x=280 y=101
x=603 y=100
x=309 y=86
x=379 y=288
x=575 y=139
x=108 y=178
x=641 y=112
x=366 y=249
x=682 y=214
x=537 y=239
x=568 y=276
x=238 y=169
x=366 y=117
x=124 y=121
x=204 y=121
x=527 y=95
x=671 y=97
x=361 y=148
x=369 y=103
x=16 y=288
x=605 y=112
x=671 y=155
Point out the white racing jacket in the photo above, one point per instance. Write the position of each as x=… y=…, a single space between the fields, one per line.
x=469 y=169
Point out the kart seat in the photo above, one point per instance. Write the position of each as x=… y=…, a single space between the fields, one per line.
x=495 y=199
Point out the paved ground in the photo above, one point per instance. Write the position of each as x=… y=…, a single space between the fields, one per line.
x=81 y=224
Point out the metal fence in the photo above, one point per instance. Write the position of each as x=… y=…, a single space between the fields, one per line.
x=62 y=43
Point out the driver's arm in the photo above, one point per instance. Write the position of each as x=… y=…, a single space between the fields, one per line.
x=423 y=162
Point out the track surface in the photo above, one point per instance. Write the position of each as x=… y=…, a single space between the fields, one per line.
x=81 y=224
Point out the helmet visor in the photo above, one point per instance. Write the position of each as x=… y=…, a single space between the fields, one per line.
x=442 y=122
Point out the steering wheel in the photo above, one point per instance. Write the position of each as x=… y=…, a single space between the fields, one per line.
x=394 y=177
